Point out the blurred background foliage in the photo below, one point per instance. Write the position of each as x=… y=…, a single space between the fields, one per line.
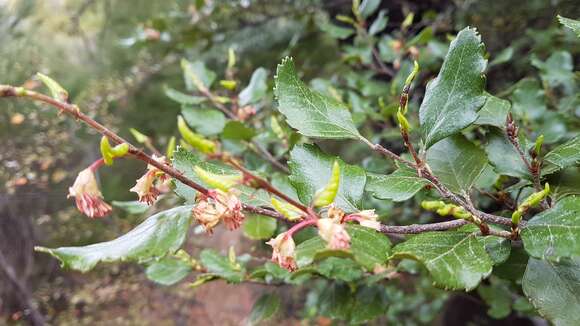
x=116 y=58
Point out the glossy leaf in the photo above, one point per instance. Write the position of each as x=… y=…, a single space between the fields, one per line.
x=238 y=131
x=554 y=233
x=311 y=113
x=311 y=169
x=453 y=98
x=572 y=24
x=158 y=235
x=457 y=162
x=369 y=247
x=455 y=259
x=168 y=271
x=342 y=269
x=554 y=289
x=256 y=89
x=397 y=186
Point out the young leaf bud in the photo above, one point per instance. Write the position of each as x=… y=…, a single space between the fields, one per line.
x=170 y=148
x=217 y=181
x=57 y=91
x=106 y=151
x=326 y=195
x=196 y=141
x=289 y=211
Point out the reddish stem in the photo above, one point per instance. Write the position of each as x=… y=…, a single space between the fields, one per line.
x=300 y=225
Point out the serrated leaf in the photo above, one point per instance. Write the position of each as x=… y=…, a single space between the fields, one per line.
x=257 y=227
x=572 y=24
x=453 y=98
x=238 y=131
x=554 y=233
x=554 y=289
x=504 y=157
x=311 y=169
x=457 y=162
x=158 y=235
x=311 y=113
x=256 y=89
x=563 y=156
x=455 y=259
x=168 y=271
x=494 y=112
x=221 y=266
x=204 y=120
x=264 y=308
x=183 y=98
x=397 y=186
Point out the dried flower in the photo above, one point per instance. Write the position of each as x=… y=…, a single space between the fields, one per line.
x=283 y=254
x=245 y=112
x=146 y=187
x=368 y=218
x=333 y=233
x=88 y=197
x=218 y=206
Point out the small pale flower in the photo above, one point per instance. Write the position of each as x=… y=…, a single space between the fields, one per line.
x=335 y=213
x=333 y=233
x=146 y=187
x=283 y=251
x=88 y=197
x=368 y=218
x=233 y=215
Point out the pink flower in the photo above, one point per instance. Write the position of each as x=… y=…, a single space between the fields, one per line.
x=283 y=251
x=88 y=197
x=146 y=187
x=218 y=206
x=333 y=233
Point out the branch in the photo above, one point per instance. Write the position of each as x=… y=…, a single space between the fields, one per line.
x=73 y=110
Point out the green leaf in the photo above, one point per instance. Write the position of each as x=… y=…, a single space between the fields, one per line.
x=455 y=259
x=563 y=156
x=183 y=98
x=453 y=98
x=333 y=30
x=238 y=130
x=56 y=91
x=307 y=250
x=184 y=161
x=336 y=301
x=313 y=114
x=131 y=207
x=554 y=289
x=572 y=24
x=369 y=303
x=457 y=162
x=368 y=7
x=257 y=227
x=196 y=75
x=264 y=308
x=557 y=70
x=221 y=266
x=422 y=38
x=341 y=269
x=168 y=271
x=504 y=56
x=498 y=297
x=494 y=112
x=205 y=121
x=311 y=169
x=369 y=247
x=380 y=23
x=256 y=89
x=514 y=267
x=158 y=235
x=397 y=186
x=554 y=233
x=529 y=99
x=504 y=157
